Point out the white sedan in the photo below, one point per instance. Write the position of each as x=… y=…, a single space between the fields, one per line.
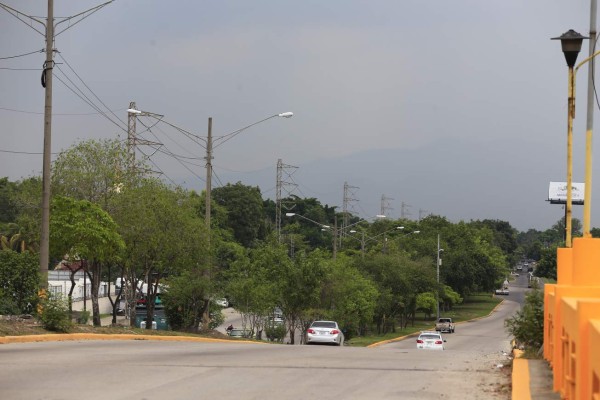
x=325 y=332
x=430 y=340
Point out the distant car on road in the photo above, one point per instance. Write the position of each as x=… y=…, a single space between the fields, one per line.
x=240 y=333
x=222 y=302
x=327 y=332
x=430 y=340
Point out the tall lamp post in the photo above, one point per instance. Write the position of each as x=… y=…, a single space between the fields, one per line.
x=571 y=46
x=438 y=263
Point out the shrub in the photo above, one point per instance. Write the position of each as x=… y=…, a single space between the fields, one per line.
x=527 y=325
x=53 y=312
x=275 y=332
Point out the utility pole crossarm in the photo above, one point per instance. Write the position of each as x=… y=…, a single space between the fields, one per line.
x=82 y=15
x=22 y=17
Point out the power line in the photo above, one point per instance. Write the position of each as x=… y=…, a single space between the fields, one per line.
x=22 y=152
x=22 y=55
x=54 y=114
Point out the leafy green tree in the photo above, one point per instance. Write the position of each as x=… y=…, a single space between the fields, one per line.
x=353 y=298
x=184 y=299
x=449 y=298
x=81 y=230
x=245 y=214
x=427 y=303
x=19 y=282
x=163 y=237
x=95 y=170
x=253 y=284
x=8 y=208
x=546 y=267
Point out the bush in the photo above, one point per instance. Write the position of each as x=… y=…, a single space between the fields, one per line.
x=83 y=317
x=527 y=326
x=275 y=332
x=53 y=312
x=7 y=305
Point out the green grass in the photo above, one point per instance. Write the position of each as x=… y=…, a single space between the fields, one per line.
x=474 y=306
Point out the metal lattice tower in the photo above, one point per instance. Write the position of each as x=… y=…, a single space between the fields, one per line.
x=423 y=212
x=385 y=204
x=131 y=126
x=404 y=213
x=285 y=183
x=348 y=207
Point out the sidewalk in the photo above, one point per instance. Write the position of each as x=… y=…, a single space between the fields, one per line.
x=532 y=379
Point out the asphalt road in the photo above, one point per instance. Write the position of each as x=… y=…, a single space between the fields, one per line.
x=468 y=369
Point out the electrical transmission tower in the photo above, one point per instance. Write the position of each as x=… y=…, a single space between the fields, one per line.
x=348 y=204
x=385 y=204
x=404 y=213
x=423 y=212
x=285 y=183
x=132 y=139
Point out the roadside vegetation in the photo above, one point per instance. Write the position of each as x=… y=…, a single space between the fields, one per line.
x=111 y=218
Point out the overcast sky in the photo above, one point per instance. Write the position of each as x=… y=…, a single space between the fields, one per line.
x=359 y=76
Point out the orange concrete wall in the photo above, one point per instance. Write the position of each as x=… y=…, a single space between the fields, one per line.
x=594 y=372
x=575 y=345
x=571 y=312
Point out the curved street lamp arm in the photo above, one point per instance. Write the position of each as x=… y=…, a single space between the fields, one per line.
x=225 y=138
x=308 y=219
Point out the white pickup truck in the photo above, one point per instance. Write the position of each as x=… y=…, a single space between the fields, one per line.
x=444 y=325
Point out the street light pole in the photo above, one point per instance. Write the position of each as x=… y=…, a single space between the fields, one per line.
x=438 y=262
x=587 y=191
x=208 y=195
x=571 y=46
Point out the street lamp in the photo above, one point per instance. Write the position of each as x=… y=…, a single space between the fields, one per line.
x=571 y=46
x=369 y=238
x=335 y=229
x=438 y=263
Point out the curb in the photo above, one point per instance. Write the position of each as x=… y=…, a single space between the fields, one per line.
x=99 y=336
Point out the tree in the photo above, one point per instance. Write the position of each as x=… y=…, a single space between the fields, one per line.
x=8 y=207
x=427 y=303
x=19 y=282
x=81 y=230
x=353 y=297
x=96 y=171
x=546 y=266
x=163 y=235
x=245 y=213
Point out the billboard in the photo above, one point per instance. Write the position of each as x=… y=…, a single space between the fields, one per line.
x=557 y=193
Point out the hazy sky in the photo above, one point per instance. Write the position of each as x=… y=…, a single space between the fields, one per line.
x=359 y=76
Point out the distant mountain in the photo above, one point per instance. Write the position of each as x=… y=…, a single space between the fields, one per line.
x=457 y=179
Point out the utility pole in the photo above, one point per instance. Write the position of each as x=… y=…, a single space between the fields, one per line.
x=438 y=263
x=47 y=83
x=207 y=200
x=49 y=34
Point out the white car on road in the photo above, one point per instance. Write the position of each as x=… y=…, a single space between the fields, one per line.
x=430 y=340
x=325 y=332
